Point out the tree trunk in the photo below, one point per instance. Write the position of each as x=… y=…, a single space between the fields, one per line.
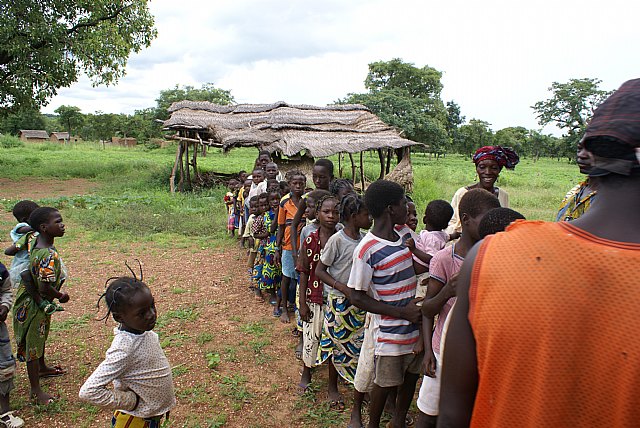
x=353 y=169
x=181 y=181
x=172 y=177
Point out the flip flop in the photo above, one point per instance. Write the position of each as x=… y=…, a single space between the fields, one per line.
x=58 y=371
x=337 y=405
x=277 y=312
x=11 y=421
x=302 y=389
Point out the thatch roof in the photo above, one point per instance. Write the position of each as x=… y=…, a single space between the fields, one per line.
x=34 y=133
x=290 y=129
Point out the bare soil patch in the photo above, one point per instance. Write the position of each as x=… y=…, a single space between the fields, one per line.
x=36 y=188
x=233 y=363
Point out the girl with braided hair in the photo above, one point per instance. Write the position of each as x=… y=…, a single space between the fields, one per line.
x=135 y=363
x=311 y=289
x=343 y=330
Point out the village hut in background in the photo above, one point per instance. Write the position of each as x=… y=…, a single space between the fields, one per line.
x=59 y=137
x=124 y=141
x=34 y=136
x=295 y=131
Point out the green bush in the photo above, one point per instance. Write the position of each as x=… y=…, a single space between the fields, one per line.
x=9 y=141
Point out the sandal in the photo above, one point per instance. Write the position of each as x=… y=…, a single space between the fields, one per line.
x=337 y=405
x=277 y=312
x=10 y=421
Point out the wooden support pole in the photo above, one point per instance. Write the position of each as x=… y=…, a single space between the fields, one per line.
x=181 y=180
x=186 y=164
x=353 y=169
x=172 y=177
x=381 y=157
x=388 y=167
x=362 y=172
x=340 y=164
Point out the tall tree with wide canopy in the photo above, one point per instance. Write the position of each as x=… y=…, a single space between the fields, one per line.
x=207 y=92
x=46 y=44
x=406 y=97
x=570 y=108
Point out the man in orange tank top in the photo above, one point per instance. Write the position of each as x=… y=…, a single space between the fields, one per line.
x=534 y=342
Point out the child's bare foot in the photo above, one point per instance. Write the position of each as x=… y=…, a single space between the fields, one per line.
x=355 y=421
x=51 y=371
x=42 y=397
x=284 y=318
x=336 y=402
x=258 y=294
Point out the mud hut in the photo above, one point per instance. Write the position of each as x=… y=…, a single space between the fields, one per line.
x=34 y=135
x=290 y=130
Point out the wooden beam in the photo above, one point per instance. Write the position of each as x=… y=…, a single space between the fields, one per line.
x=181 y=180
x=381 y=156
x=362 y=172
x=353 y=169
x=172 y=177
x=186 y=164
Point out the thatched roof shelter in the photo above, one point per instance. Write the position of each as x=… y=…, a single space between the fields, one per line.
x=38 y=135
x=289 y=129
x=284 y=128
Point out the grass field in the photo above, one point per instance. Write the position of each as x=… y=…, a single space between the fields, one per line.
x=232 y=362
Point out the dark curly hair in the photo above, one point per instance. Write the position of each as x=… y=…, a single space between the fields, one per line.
x=119 y=291
x=477 y=201
x=40 y=216
x=339 y=184
x=325 y=163
x=23 y=209
x=438 y=214
x=381 y=194
x=497 y=220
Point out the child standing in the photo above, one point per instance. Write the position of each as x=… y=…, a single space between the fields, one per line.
x=440 y=298
x=383 y=282
x=229 y=200
x=286 y=213
x=135 y=363
x=38 y=287
x=7 y=362
x=311 y=288
x=251 y=242
x=271 y=273
x=343 y=329
x=21 y=211
x=260 y=234
x=312 y=226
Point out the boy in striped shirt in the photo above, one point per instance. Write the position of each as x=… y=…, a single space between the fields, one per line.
x=383 y=282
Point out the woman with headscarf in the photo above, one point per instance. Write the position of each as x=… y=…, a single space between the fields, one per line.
x=489 y=161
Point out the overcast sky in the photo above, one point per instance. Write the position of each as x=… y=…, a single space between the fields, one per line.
x=497 y=57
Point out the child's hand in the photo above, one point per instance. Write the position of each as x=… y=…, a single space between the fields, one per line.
x=410 y=244
x=429 y=364
x=64 y=298
x=305 y=312
x=419 y=347
x=3 y=313
x=451 y=285
x=412 y=312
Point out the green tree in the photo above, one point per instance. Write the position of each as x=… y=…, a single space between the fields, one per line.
x=407 y=98
x=25 y=118
x=474 y=135
x=46 y=44
x=570 y=108
x=513 y=137
x=207 y=92
x=454 y=120
x=70 y=117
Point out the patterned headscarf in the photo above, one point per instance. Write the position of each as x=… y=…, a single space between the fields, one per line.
x=503 y=155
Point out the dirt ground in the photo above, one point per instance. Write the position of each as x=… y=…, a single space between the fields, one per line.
x=209 y=318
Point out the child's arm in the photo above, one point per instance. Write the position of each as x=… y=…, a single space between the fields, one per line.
x=30 y=287
x=429 y=362
x=361 y=299
x=95 y=389
x=11 y=251
x=323 y=275
x=421 y=255
x=437 y=295
x=303 y=268
x=302 y=207
x=6 y=296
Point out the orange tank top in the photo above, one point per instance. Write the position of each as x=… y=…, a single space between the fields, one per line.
x=555 y=312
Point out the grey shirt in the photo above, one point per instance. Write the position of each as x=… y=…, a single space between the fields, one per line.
x=337 y=255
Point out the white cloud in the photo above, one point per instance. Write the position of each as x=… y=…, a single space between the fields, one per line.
x=498 y=57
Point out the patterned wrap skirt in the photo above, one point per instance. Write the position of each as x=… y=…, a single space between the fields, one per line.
x=342 y=335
